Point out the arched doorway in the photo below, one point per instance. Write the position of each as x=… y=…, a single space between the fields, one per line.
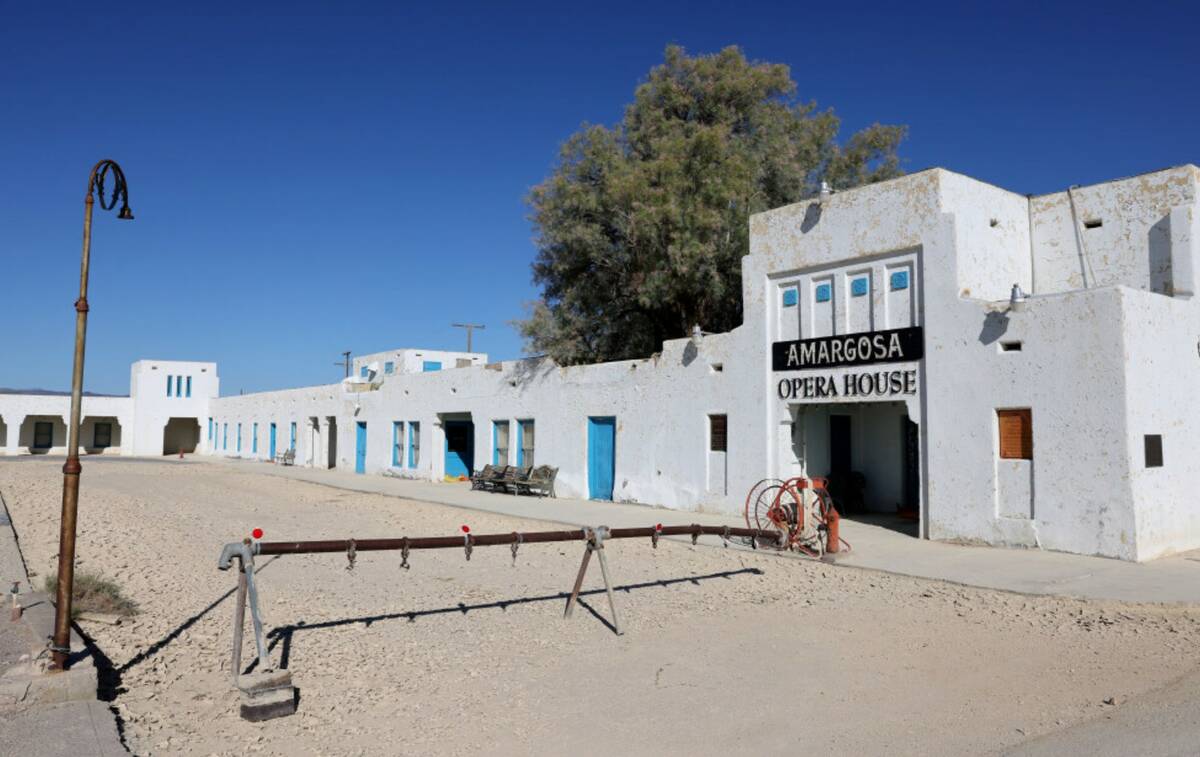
x=181 y=435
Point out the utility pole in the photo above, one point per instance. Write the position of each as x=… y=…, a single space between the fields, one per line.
x=345 y=362
x=470 y=327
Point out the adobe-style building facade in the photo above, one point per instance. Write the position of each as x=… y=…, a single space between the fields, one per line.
x=883 y=342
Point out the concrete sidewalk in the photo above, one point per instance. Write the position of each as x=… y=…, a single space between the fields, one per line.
x=45 y=714
x=1173 y=580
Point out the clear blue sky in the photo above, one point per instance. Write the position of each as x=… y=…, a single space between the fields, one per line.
x=311 y=178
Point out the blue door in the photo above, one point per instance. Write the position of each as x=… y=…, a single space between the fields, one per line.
x=460 y=448
x=360 y=450
x=272 y=447
x=602 y=457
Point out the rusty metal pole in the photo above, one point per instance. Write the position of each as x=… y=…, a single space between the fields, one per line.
x=60 y=648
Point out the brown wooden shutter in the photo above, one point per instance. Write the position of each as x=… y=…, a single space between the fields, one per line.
x=1016 y=434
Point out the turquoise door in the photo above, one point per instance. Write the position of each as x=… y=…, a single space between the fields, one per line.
x=272 y=447
x=602 y=457
x=460 y=448
x=360 y=449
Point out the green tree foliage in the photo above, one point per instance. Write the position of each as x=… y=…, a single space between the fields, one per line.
x=641 y=227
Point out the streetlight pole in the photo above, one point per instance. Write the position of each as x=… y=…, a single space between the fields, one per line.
x=61 y=647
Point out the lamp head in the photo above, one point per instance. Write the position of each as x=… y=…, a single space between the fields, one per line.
x=125 y=214
x=1016 y=300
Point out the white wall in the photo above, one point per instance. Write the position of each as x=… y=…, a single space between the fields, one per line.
x=153 y=408
x=18 y=413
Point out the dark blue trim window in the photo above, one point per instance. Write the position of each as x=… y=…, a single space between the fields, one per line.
x=824 y=292
x=362 y=372
x=791 y=297
x=170 y=385
x=389 y=367
x=430 y=366
x=899 y=280
x=189 y=387
x=859 y=286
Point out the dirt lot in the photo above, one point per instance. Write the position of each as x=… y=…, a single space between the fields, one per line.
x=724 y=650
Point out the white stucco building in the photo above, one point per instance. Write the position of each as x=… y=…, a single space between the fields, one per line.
x=881 y=342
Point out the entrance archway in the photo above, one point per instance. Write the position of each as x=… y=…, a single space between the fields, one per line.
x=870 y=454
x=181 y=435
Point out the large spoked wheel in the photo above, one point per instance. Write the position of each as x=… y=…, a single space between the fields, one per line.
x=772 y=509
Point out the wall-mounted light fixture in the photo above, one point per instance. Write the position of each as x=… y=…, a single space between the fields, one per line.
x=1016 y=300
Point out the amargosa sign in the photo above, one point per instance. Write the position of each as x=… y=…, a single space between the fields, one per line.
x=865 y=348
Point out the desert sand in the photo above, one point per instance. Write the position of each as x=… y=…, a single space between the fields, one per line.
x=724 y=651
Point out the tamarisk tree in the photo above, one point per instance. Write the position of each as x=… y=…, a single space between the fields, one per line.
x=641 y=227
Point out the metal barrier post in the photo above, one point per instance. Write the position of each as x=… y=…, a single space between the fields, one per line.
x=239 y=621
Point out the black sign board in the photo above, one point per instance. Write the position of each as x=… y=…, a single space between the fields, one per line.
x=892 y=346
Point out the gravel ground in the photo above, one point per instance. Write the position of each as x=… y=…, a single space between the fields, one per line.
x=724 y=650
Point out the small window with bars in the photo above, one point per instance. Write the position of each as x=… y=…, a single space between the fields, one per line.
x=718 y=433
x=1016 y=434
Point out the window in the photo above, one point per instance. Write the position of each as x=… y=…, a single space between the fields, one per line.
x=225 y=436
x=1154 y=451
x=293 y=442
x=431 y=365
x=189 y=387
x=1016 y=434
x=210 y=425
x=824 y=292
x=170 y=384
x=899 y=280
x=239 y=438
x=102 y=435
x=1010 y=346
x=179 y=386
x=414 y=444
x=718 y=433
x=362 y=372
x=254 y=438
x=859 y=287
x=389 y=367
x=397 y=443
x=790 y=297
x=43 y=435
x=462 y=362
x=499 y=442
x=525 y=443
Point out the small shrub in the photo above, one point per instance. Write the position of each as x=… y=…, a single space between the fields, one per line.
x=92 y=592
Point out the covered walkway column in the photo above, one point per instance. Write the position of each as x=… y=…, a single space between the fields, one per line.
x=12 y=425
x=126 y=422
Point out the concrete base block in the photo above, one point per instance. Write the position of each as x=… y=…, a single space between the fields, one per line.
x=256 y=683
x=276 y=703
x=75 y=685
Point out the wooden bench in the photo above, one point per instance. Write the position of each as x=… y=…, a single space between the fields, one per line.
x=539 y=480
x=287 y=457
x=483 y=479
x=512 y=476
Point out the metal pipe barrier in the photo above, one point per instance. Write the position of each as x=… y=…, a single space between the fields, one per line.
x=245 y=551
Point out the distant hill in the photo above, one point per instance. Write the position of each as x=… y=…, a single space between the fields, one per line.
x=52 y=393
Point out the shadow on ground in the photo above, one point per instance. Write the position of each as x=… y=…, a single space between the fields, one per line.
x=283 y=635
